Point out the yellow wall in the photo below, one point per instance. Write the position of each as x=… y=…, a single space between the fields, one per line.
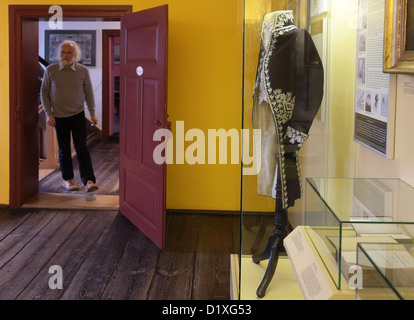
x=205 y=76
x=4 y=106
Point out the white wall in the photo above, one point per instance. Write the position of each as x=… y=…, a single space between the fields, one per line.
x=96 y=72
x=371 y=164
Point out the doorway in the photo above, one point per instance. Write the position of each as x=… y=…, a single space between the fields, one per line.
x=111 y=40
x=103 y=69
x=24 y=90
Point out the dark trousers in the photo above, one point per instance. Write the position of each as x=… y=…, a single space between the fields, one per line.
x=77 y=126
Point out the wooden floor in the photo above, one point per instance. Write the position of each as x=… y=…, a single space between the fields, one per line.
x=105 y=160
x=103 y=256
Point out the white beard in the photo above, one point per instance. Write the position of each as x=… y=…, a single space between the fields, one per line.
x=66 y=62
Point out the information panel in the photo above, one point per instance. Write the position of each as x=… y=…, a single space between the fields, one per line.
x=372 y=84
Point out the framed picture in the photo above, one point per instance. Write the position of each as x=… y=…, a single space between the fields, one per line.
x=86 y=40
x=399 y=37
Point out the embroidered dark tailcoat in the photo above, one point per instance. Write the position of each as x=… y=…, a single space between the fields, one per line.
x=287 y=95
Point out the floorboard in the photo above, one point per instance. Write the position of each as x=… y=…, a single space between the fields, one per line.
x=215 y=240
x=77 y=201
x=10 y=220
x=133 y=275
x=91 y=278
x=70 y=256
x=27 y=262
x=174 y=275
x=105 y=161
x=105 y=257
x=16 y=240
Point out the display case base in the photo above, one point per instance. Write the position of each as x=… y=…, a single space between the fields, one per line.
x=284 y=285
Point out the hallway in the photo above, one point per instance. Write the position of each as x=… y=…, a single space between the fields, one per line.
x=105 y=159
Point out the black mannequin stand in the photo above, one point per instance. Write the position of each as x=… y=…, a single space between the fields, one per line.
x=273 y=249
x=275 y=244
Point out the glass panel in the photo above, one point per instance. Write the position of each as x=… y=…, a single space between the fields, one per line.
x=366 y=200
x=341 y=213
x=258 y=210
x=325 y=230
x=337 y=211
x=257 y=213
x=387 y=271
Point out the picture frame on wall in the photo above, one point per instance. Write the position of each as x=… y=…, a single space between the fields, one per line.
x=399 y=37
x=86 y=40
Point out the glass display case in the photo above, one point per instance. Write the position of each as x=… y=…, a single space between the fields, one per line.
x=387 y=271
x=325 y=151
x=341 y=213
x=258 y=210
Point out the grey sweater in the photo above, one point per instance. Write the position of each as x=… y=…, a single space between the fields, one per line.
x=64 y=90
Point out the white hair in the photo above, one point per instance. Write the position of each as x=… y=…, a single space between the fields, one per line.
x=77 y=51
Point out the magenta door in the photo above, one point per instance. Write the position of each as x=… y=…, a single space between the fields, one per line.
x=143 y=79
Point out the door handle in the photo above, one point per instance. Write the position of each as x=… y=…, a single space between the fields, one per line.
x=156 y=122
x=140 y=71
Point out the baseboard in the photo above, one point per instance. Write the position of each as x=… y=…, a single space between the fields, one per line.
x=197 y=211
x=217 y=212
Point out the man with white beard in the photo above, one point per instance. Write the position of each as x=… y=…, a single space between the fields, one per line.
x=65 y=87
